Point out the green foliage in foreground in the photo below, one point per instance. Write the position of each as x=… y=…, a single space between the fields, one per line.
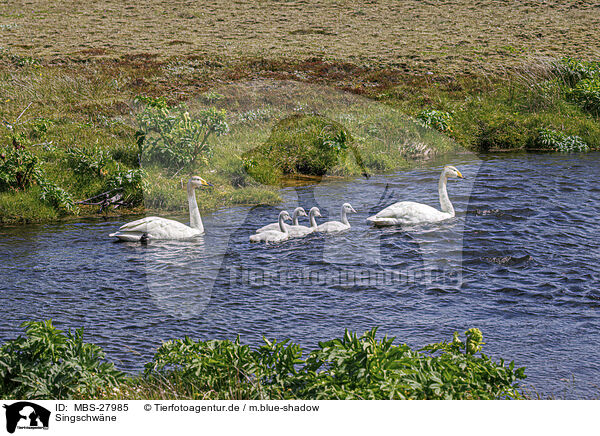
x=351 y=367
x=47 y=363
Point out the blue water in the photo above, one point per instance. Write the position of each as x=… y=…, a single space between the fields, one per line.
x=520 y=262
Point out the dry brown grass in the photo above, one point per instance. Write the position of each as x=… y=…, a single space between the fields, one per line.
x=445 y=36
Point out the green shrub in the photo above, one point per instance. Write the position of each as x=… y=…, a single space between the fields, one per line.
x=549 y=139
x=230 y=369
x=351 y=367
x=435 y=119
x=587 y=94
x=48 y=364
x=18 y=167
x=173 y=139
x=364 y=367
x=127 y=155
x=500 y=130
x=90 y=161
x=300 y=144
x=574 y=70
x=39 y=128
x=132 y=184
x=55 y=196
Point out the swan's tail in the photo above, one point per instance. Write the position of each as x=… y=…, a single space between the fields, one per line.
x=128 y=236
x=380 y=221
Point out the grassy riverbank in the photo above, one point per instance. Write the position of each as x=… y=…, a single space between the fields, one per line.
x=46 y=363
x=72 y=107
x=77 y=123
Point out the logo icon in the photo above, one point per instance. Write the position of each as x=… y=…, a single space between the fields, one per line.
x=26 y=415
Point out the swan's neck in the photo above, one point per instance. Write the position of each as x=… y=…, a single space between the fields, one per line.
x=195 y=219
x=282 y=227
x=444 y=200
x=313 y=221
x=344 y=216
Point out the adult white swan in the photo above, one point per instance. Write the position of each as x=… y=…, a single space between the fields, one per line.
x=274 y=236
x=337 y=226
x=301 y=231
x=298 y=212
x=153 y=227
x=409 y=212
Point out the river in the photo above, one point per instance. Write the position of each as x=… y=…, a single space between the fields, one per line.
x=520 y=261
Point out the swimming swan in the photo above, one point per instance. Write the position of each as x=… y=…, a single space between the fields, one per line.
x=299 y=211
x=301 y=231
x=409 y=212
x=154 y=227
x=337 y=226
x=274 y=235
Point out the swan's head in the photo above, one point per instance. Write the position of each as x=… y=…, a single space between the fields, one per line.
x=284 y=215
x=299 y=211
x=451 y=171
x=347 y=208
x=198 y=182
x=315 y=212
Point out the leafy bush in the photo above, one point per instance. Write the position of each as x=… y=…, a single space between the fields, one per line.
x=46 y=363
x=230 y=369
x=19 y=170
x=132 y=183
x=300 y=144
x=173 y=139
x=549 y=139
x=587 y=94
x=18 y=167
x=90 y=161
x=363 y=367
x=502 y=130
x=351 y=367
x=574 y=70
x=57 y=197
x=435 y=119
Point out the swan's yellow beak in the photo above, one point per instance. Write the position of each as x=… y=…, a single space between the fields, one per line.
x=459 y=174
x=205 y=183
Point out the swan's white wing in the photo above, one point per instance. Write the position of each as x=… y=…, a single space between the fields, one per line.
x=408 y=212
x=269 y=236
x=299 y=231
x=272 y=227
x=332 y=226
x=155 y=228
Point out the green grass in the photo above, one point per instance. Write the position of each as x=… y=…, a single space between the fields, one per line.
x=17 y=207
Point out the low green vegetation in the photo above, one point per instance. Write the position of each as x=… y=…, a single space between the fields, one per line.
x=46 y=363
x=438 y=120
x=556 y=141
x=173 y=140
x=299 y=145
x=115 y=138
x=49 y=364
